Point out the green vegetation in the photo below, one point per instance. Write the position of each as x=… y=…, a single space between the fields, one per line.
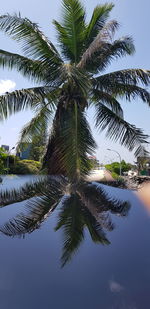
x=36 y=146
x=3 y=161
x=17 y=166
x=114 y=168
x=22 y=167
x=115 y=175
x=37 y=149
x=72 y=79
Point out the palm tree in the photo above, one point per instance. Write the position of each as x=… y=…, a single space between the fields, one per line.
x=82 y=206
x=69 y=80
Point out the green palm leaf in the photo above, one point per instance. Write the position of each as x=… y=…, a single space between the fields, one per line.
x=19 y=100
x=128 y=76
x=32 y=69
x=71 y=221
x=29 y=190
x=97 y=22
x=108 y=100
x=97 y=200
x=125 y=83
x=35 y=43
x=95 y=227
x=131 y=92
x=117 y=129
x=38 y=209
x=70 y=33
x=74 y=216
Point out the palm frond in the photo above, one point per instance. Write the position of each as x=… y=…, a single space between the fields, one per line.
x=99 y=43
x=28 y=191
x=119 y=48
x=108 y=100
x=102 y=54
x=95 y=227
x=131 y=92
x=38 y=209
x=71 y=221
x=35 y=70
x=19 y=100
x=97 y=22
x=35 y=43
x=117 y=129
x=103 y=38
x=36 y=126
x=125 y=83
x=74 y=216
x=141 y=151
x=97 y=199
x=126 y=77
x=70 y=32
x=62 y=37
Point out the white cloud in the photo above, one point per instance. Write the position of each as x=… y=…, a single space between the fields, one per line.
x=115 y=287
x=6 y=86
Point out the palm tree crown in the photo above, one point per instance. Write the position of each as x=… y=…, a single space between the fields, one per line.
x=71 y=79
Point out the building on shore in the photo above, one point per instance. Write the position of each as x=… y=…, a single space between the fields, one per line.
x=143 y=165
x=24 y=154
x=5 y=147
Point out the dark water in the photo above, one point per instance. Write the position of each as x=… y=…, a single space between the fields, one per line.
x=116 y=276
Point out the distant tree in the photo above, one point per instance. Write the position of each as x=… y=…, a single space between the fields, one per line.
x=115 y=167
x=37 y=148
x=35 y=143
x=3 y=157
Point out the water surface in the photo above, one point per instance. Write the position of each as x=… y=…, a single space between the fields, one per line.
x=114 y=276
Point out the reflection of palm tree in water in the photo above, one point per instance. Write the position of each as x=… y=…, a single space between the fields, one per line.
x=81 y=206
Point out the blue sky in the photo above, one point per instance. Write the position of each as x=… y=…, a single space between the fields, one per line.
x=133 y=17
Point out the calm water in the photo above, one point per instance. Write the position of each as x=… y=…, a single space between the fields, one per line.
x=116 y=276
